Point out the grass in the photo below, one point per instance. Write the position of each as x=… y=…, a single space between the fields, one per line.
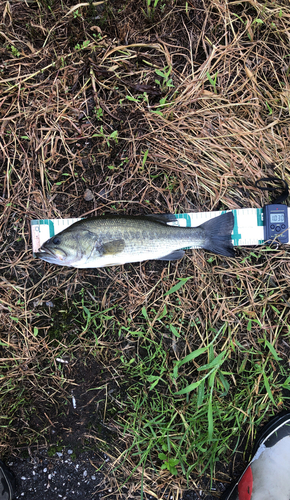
x=183 y=361
x=197 y=423
x=152 y=6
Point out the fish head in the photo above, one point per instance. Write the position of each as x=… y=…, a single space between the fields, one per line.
x=68 y=248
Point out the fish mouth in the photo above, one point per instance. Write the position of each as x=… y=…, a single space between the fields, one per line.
x=54 y=256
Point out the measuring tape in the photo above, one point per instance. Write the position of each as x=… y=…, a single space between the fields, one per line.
x=249 y=228
x=253 y=226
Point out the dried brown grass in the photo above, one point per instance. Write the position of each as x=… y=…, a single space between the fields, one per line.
x=206 y=147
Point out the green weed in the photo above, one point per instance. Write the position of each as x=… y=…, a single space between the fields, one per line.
x=150 y=8
x=83 y=45
x=99 y=113
x=15 y=51
x=212 y=81
x=107 y=137
x=165 y=82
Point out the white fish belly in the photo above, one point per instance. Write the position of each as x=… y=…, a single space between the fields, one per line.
x=133 y=252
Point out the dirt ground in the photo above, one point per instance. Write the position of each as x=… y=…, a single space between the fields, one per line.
x=71 y=467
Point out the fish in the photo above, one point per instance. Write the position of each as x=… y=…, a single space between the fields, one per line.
x=111 y=240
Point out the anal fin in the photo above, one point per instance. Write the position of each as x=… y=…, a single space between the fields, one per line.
x=177 y=254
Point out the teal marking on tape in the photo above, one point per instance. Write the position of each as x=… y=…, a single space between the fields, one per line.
x=184 y=216
x=260 y=217
x=260 y=222
x=188 y=223
x=51 y=228
x=236 y=236
x=49 y=223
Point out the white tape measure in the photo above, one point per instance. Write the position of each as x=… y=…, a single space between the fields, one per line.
x=253 y=226
x=248 y=229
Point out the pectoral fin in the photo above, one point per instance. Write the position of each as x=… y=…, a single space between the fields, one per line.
x=113 y=247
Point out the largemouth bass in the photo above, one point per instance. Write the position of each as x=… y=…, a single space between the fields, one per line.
x=112 y=240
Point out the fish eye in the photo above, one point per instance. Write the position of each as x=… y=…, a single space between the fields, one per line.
x=56 y=240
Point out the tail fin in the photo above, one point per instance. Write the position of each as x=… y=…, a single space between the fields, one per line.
x=218 y=234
